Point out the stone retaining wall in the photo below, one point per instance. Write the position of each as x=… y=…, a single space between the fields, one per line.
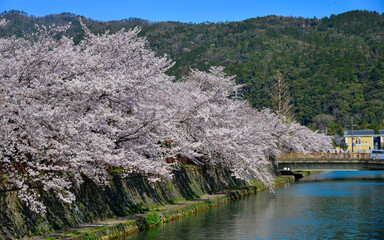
x=121 y=197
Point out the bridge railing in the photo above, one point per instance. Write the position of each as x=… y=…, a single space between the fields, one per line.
x=323 y=156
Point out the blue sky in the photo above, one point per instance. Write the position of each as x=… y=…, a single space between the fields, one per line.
x=191 y=11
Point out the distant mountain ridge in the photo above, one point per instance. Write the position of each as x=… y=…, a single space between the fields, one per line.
x=334 y=66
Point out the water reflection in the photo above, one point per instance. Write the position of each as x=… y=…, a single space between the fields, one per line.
x=328 y=205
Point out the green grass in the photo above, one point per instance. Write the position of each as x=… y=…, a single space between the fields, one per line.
x=153 y=218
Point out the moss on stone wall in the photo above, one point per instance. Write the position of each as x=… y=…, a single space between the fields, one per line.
x=121 y=197
x=114 y=228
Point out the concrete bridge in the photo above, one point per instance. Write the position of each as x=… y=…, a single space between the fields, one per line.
x=329 y=162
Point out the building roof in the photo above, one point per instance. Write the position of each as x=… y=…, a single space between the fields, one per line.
x=359 y=132
x=381 y=132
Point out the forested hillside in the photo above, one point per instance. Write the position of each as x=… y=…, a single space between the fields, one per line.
x=334 y=66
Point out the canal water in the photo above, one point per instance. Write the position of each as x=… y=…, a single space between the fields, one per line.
x=327 y=205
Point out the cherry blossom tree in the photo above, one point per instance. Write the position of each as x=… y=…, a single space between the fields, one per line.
x=225 y=131
x=73 y=111
x=3 y=22
x=70 y=110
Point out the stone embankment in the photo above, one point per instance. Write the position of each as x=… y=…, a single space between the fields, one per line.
x=127 y=204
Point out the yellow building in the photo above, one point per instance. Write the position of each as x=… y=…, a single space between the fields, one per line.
x=364 y=140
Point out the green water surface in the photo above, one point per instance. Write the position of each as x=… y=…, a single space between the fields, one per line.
x=328 y=205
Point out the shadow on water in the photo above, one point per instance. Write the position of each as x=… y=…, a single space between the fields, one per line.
x=344 y=176
x=327 y=205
